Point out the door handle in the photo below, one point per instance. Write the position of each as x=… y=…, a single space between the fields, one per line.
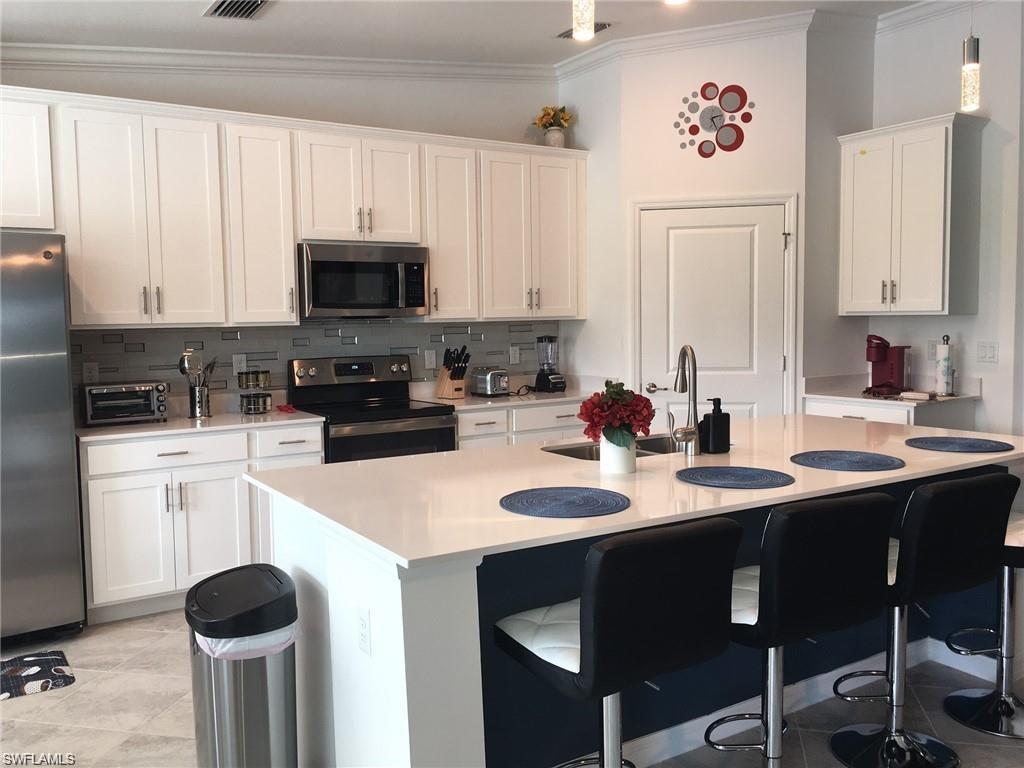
x=290 y=442
x=171 y=453
x=291 y=301
x=892 y=291
x=529 y=298
x=884 y=300
x=485 y=423
x=858 y=418
x=369 y=220
x=181 y=496
x=359 y=226
x=435 y=299
x=566 y=416
x=537 y=291
x=168 y=497
x=145 y=300
x=652 y=388
x=156 y=296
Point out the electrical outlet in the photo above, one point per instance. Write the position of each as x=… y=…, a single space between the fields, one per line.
x=988 y=351
x=239 y=363
x=932 y=343
x=513 y=354
x=364 y=631
x=429 y=359
x=90 y=373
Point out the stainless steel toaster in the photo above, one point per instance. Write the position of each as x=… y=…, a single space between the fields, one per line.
x=488 y=380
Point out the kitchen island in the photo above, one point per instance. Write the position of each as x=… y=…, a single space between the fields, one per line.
x=393 y=658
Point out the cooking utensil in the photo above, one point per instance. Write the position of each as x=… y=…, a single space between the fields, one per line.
x=207 y=370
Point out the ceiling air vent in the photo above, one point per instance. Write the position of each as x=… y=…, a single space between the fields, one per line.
x=235 y=9
x=599 y=26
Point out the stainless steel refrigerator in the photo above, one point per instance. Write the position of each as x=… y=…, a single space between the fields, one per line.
x=40 y=523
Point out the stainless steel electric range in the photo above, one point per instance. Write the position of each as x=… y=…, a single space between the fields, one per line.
x=367 y=409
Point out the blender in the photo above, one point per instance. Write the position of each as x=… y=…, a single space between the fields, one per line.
x=548 y=377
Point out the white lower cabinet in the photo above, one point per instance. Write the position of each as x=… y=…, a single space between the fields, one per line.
x=262 y=521
x=951 y=414
x=520 y=425
x=545 y=436
x=490 y=441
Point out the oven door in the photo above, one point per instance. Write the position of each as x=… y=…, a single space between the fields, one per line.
x=379 y=439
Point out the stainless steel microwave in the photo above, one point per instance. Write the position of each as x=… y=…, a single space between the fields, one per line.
x=357 y=280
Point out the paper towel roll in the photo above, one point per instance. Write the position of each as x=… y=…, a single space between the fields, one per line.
x=944 y=369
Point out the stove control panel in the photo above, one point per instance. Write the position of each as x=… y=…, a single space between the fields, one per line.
x=322 y=371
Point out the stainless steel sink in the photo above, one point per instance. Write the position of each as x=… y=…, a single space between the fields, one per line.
x=645 y=446
x=657 y=444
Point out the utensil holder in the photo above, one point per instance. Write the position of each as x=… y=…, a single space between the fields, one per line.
x=198 y=402
x=448 y=388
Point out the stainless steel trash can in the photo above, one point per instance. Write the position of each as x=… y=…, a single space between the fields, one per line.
x=243 y=668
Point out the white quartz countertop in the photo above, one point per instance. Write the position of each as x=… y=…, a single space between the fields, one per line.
x=414 y=510
x=221 y=422
x=476 y=403
x=854 y=395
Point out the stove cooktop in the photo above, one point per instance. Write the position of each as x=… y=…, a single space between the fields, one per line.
x=355 y=413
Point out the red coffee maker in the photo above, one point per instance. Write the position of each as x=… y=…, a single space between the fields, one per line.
x=890 y=368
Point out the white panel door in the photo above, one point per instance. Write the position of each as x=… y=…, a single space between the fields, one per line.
x=505 y=224
x=714 y=278
x=186 y=246
x=261 y=225
x=919 y=220
x=26 y=180
x=131 y=537
x=330 y=186
x=104 y=191
x=261 y=522
x=452 y=233
x=866 y=226
x=211 y=522
x=391 y=190
x=553 y=198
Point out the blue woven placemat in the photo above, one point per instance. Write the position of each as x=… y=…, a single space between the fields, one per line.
x=565 y=502
x=735 y=477
x=847 y=461
x=959 y=444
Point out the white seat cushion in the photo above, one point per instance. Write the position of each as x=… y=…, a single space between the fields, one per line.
x=746 y=584
x=894 y=558
x=552 y=633
x=1015 y=530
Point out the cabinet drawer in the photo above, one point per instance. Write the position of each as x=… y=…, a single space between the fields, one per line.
x=286 y=442
x=490 y=441
x=133 y=456
x=857 y=411
x=482 y=423
x=544 y=437
x=547 y=417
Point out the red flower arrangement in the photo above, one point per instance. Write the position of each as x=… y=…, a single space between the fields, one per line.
x=617 y=413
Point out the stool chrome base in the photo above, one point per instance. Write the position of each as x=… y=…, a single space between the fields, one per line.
x=873 y=746
x=987 y=710
x=579 y=763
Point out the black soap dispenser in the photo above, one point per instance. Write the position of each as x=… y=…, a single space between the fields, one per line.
x=714 y=429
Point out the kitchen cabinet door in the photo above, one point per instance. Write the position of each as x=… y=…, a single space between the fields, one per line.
x=330 y=187
x=261 y=520
x=104 y=192
x=391 y=191
x=451 y=200
x=26 y=181
x=505 y=223
x=919 y=269
x=131 y=537
x=186 y=248
x=261 y=226
x=554 y=236
x=865 y=247
x=211 y=522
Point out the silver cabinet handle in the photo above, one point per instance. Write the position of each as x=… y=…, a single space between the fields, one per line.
x=858 y=418
x=566 y=416
x=529 y=298
x=369 y=220
x=652 y=388
x=883 y=292
x=485 y=423
x=537 y=291
x=291 y=301
x=156 y=295
x=181 y=496
x=171 y=453
x=145 y=300
x=290 y=442
x=892 y=291
x=168 y=499
x=359 y=227
x=435 y=299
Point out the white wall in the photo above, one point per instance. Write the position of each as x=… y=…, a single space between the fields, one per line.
x=478 y=108
x=917 y=74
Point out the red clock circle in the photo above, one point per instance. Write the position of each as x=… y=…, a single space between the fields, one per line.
x=694 y=130
x=709 y=90
x=706 y=148
x=729 y=137
x=733 y=98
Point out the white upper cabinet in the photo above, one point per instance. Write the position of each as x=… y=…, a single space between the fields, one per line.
x=26 y=183
x=505 y=222
x=330 y=186
x=186 y=251
x=553 y=197
x=451 y=200
x=104 y=191
x=260 y=222
x=391 y=190
x=909 y=231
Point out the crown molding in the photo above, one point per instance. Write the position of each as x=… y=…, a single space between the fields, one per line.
x=663 y=42
x=920 y=13
x=167 y=60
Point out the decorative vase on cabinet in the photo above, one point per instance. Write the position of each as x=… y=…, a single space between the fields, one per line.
x=555 y=137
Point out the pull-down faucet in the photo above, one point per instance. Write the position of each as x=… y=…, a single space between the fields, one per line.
x=687 y=439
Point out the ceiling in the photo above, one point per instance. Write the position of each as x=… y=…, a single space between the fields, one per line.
x=491 y=32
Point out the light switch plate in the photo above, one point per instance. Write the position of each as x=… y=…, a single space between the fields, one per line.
x=988 y=351
x=239 y=363
x=90 y=373
x=429 y=359
x=513 y=354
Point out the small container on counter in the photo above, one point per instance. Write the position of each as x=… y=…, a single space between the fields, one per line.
x=714 y=429
x=198 y=402
x=254 y=403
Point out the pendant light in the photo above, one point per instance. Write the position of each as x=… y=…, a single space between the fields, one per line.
x=582 y=20
x=970 y=72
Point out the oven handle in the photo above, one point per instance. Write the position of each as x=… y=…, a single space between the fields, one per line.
x=397 y=425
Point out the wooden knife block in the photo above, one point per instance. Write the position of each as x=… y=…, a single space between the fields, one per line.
x=448 y=388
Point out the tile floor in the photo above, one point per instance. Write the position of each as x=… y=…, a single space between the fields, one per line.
x=132 y=705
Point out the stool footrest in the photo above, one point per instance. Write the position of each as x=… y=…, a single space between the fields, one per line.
x=582 y=761
x=852 y=675
x=963 y=650
x=758 y=747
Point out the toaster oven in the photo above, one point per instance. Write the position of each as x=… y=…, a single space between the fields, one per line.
x=124 y=403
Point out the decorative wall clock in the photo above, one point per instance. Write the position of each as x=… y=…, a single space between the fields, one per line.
x=712 y=118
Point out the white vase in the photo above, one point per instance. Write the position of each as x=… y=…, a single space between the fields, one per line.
x=616 y=460
x=554 y=137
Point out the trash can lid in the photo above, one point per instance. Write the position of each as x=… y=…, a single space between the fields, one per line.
x=242 y=601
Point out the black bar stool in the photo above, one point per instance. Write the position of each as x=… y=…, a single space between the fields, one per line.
x=653 y=602
x=822 y=568
x=999 y=711
x=951 y=538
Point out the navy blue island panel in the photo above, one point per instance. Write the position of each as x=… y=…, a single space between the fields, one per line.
x=527 y=723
